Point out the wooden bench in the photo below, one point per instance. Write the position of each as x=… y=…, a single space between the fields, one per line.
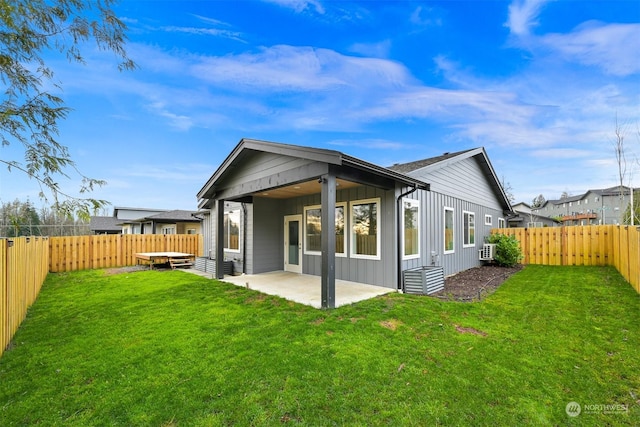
x=180 y=262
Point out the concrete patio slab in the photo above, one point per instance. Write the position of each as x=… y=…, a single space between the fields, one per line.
x=303 y=288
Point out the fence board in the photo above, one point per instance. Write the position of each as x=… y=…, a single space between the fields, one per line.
x=23 y=267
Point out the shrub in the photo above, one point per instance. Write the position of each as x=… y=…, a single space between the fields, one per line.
x=508 y=253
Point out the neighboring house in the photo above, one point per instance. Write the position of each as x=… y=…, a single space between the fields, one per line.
x=167 y=222
x=104 y=225
x=525 y=216
x=128 y=220
x=321 y=212
x=595 y=207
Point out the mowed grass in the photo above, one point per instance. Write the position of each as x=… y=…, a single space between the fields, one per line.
x=174 y=349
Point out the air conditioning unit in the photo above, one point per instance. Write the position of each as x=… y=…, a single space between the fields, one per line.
x=487 y=252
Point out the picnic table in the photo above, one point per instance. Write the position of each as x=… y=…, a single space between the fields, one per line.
x=174 y=259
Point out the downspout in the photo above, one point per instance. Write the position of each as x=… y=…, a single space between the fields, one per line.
x=399 y=232
x=244 y=238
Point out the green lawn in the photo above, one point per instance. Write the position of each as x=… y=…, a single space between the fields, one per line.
x=174 y=349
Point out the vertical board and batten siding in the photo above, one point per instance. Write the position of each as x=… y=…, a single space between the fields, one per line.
x=208 y=248
x=464 y=180
x=462 y=186
x=268 y=235
x=23 y=269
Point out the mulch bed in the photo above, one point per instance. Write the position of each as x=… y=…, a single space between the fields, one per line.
x=475 y=283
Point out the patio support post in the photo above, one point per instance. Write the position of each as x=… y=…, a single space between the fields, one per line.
x=328 y=238
x=219 y=239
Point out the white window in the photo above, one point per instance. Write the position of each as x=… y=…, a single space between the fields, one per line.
x=586 y=201
x=168 y=229
x=448 y=231
x=232 y=231
x=191 y=231
x=502 y=223
x=365 y=233
x=469 y=232
x=411 y=227
x=488 y=220
x=313 y=228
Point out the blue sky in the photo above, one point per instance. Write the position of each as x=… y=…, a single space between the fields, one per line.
x=539 y=84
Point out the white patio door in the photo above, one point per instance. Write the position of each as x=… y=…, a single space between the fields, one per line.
x=293 y=243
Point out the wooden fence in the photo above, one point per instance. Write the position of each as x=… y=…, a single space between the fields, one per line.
x=24 y=263
x=115 y=250
x=614 y=245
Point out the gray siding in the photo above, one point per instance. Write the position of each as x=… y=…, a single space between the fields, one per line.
x=207 y=234
x=432 y=207
x=464 y=180
x=268 y=238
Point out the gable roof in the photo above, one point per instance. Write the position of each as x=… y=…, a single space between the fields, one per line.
x=332 y=157
x=419 y=164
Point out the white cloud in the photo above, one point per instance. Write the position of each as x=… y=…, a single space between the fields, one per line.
x=216 y=32
x=523 y=15
x=300 y=5
x=611 y=47
x=424 y=17
x=291 y=68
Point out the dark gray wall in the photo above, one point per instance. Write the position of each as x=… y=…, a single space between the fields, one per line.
x=267 y=235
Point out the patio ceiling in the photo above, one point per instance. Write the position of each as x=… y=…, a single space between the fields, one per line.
x=303 y=188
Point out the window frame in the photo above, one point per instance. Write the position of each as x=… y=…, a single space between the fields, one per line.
x=352 y=234
x=228 y=233
x=306 y=251
x=453 y=231
x=488 y=219
x=502 y=223
x=414 y=203
x=168 y=229
x=466 y=227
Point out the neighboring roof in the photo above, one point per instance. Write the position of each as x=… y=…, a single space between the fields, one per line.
x=104 y=223
x=176 y=215
x=124 y=208
x=316 y=154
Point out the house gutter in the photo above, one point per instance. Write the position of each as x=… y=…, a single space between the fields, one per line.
x=399 y=232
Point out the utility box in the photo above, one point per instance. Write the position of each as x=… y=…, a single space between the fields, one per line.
x=423 y=280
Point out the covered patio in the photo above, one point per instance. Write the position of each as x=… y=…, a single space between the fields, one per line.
x=305 y=288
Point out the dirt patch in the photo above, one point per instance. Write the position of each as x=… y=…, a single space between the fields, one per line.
x=121 y=270
x=467 y=330
x=475 y=283
x=391 y=324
